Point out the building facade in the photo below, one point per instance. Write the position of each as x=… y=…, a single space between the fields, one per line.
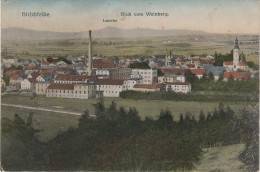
x=148 y=76
x=179 y=87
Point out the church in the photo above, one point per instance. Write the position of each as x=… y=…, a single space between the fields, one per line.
x=236 y=64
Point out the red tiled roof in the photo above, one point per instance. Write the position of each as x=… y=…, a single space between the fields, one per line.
x=228 y=63
x=46 y=72
x=11 y=72
x=242 y=63
x=207 y=61
x=61 y=86
x=35 y=74
x=32 y=80
x=61 y=69
x=176 y=64
x=196 y=60
x=190 y=65
x=174 y=71
x=158 y=65
x=110 y=82
x=120 y=64
x=15 y=76
x=178 y=83
x=67 y=77
x=32 y=67
x=237 y=75
x=101 y=63
x=198 y=71
x=180 y=60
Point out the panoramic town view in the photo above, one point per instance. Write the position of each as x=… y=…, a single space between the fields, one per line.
x=124 y=97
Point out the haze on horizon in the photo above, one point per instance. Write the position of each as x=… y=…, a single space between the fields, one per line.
x=216 y=16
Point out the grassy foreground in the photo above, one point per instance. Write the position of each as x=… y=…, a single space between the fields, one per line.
x=49 y=123
x=224 y=159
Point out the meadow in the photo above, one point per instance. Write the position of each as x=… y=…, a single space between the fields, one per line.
x=53 y=123
x=146 y=108
x=122 y=47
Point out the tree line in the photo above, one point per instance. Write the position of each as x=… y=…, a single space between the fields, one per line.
x=171 y=95
x=119 y=140
x=207 y=83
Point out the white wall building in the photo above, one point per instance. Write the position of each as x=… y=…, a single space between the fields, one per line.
x=25 y=84
x=132 y=81
x=171 y=78
x=111 y=87
x=148 y=76
x=179 y=87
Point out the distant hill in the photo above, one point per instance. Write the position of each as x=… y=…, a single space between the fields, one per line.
x=109 y=32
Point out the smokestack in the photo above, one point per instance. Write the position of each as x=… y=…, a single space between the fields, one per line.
x=89 y=55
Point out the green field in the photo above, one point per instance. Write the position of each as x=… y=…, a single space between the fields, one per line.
x=149 y=108
x=50 y=123
x=179 y=45
x=224 y=159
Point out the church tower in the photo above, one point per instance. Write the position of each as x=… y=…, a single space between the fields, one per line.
x=236 y=55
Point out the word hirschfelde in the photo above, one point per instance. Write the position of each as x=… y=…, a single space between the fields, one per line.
x=35 y=14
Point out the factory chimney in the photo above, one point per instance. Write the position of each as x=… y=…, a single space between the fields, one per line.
x=89 y=55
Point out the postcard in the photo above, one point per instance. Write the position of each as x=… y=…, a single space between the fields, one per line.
x=128 y=85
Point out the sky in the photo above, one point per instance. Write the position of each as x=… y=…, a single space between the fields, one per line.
x=213 y=16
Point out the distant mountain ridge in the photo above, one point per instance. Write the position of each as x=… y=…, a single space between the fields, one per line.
x=109 y=32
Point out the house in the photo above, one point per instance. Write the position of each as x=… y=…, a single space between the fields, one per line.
x=198 y=72
x=102 y=73
x=25 y=84
x=65 y=70
x=119 y=73
x=48 y=65
x=242 y=66
x=103 y=64
x=111 y=87
x=196 y=61
x=28 y=84
x=9 y=60
x=132 y=81
x=46 y=72
x=179 y=87
x=217 y=71
x=12 y=88
x=30 y=69
x=237 y=75
x=41 y=87
x=44 y=78
x=11 y=72
x=174 y=71
x=171 y=78
x=81 y=70
x=148 y=76
x=229 y=66
x=147 y=87
x=191 y=66
x=85 y=90
x=205 y=61
x=33 y=75
x=16 y=79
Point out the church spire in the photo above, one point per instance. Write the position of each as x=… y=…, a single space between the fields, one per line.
x=236 y=44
